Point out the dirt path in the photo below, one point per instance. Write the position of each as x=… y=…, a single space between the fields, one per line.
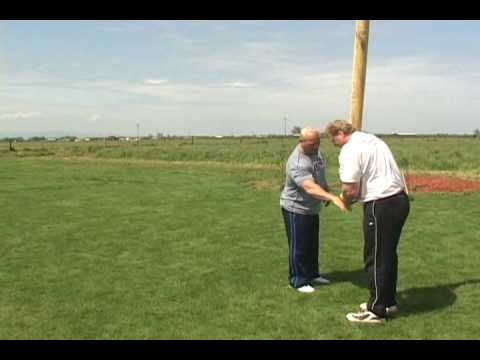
x=440 y=183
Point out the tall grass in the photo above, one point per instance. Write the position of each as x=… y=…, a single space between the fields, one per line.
x=456 y=154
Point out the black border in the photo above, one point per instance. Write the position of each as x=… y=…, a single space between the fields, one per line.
x=385 y=349
x=252 y=10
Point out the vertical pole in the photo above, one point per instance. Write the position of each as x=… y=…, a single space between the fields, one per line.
x=138 y=133
x=359 y=71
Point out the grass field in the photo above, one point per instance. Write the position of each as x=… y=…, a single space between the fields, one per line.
x=105 y=246
x=430 y=153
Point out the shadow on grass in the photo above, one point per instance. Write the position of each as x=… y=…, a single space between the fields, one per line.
x=356 y=277
x=425 y=299
x=414 y=300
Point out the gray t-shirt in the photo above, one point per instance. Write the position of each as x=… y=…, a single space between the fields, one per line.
x=301 y=167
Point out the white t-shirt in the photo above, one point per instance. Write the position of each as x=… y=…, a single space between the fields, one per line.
x=367 y=160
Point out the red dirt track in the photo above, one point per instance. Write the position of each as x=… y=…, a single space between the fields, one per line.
x=433 y=183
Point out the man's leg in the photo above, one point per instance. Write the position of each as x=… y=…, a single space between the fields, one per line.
x=383 y=222
x=314 y=250
x=401 y=208
x=299 y=229
x=370 y=254
x=385 y=249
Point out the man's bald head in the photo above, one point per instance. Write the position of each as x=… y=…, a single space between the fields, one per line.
x=310 y=140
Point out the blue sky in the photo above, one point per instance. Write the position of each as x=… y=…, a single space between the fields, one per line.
x=97 y=78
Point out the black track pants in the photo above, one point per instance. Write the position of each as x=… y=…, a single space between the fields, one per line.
x=382 y=225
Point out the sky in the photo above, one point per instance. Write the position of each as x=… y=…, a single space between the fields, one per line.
x=219 y=77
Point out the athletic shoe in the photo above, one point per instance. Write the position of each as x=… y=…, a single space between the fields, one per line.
x=391 y=310
x=304 y=289
x=321 y=280
x=366 y=317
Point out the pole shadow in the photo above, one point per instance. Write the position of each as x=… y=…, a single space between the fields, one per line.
x=411 y=301
x=426 y=299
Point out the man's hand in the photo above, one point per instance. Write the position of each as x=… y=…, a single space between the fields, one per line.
x=318 y=192
x=348 y=205
x=350 y=193
x=341 y=204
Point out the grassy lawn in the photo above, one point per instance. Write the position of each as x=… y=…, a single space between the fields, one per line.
x=145 y=250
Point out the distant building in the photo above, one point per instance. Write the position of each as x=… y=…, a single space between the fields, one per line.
x=405 y=134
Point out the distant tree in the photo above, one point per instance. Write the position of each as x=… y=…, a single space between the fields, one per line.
x=476 y=133
x=296 y=130
x=67 y=138
x=37 y=138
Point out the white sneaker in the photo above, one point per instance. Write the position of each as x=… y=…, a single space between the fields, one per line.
x=391 y=310
x=367 y=317
x=321 y=280
x=305 y=289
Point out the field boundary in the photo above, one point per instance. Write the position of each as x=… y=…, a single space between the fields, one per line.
x=460 y=174
x=218 y=164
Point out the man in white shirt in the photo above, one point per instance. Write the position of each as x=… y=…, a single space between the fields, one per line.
x=301 y=199
x=370 y=174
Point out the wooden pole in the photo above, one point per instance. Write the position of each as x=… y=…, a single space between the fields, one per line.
x=359 y=71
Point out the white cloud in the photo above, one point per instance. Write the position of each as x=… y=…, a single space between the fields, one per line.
x=94 y=118
x=419 y=78
x=401 y=94
x=20 y=115
x=155 y=81
x=240 y=84
x=190 y=93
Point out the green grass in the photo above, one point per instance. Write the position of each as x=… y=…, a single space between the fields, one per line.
x=422 y=153
x=151 y=250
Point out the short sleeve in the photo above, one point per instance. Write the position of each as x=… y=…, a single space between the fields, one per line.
x=349 y=166
x=299 y=172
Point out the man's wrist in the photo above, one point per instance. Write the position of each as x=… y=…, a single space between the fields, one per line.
x=346 y=198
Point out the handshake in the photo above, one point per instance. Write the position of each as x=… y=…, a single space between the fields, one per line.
x=341 y=202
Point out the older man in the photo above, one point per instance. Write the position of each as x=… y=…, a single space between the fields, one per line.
x=301 y=199
x=370 y=174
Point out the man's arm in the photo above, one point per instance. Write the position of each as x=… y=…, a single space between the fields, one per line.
x=350 y=193
x=315 y=190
